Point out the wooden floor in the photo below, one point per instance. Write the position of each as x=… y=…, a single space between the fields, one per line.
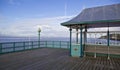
x=54 y=59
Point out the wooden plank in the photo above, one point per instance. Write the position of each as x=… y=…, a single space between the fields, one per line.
x=54 y=59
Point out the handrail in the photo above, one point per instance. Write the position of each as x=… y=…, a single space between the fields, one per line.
x=8 y=47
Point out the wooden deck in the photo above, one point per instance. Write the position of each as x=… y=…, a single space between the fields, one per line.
x=54 y=59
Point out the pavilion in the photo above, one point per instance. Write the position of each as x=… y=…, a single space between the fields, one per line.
x=96 y=17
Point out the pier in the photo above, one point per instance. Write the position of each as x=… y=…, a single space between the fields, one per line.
x=54 y=59
x=68 y=55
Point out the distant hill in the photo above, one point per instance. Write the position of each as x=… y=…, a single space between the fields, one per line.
x=112 y=37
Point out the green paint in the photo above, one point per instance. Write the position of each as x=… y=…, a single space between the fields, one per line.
x=85 y=35
x=75 y=50
x=108 y=39
x=46 y=43
x=77 y=36
x=60 y=44
x=32 y=45
x=0 y=48
x=24 y=45
x=14 y=47
x=49 y=44
x=70 y=40
x=39 y=39
x=81 y=47
x=53 y=44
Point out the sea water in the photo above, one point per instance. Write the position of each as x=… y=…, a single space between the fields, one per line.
x=89 y=40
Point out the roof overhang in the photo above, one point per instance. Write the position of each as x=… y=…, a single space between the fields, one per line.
x=94 y=24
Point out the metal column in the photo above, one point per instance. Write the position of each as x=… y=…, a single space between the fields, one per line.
x=85 y=36
x=81 y=47
x=39 y=30
x=85 y=39
x=108 y=42
x=77 y=36
x=70 y=39
x=108 y=38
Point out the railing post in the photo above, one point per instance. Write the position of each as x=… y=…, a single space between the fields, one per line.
x=29 y=45
x=68 y=45
x=77 y=35
x=39 y=30
x=24 y=45
x=81 y=46
x=32 y=44
x=60 y=44
x=46 y=43
x=13 y=46
x=53 y=44
x=0 y=48
x=95 y=47
x=70 y=39
x=108 y=42
x=38 y=44
x=108 y=38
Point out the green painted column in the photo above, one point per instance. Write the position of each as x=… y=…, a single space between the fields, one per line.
x=39 y=40
x=24 y=45
x=13 y=46
x=108 y=42
x=70 y=39
x=108 y=38
x=60 y=44
x=77 y=36
x=39 y=30
x=32 y=44
x=53 y=44
x=85 y=36
x=0 y=48
x=81 y=47
x=85 y=40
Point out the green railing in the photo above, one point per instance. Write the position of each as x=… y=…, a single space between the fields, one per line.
x=28 y=45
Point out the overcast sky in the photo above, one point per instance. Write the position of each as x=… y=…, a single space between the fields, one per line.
x=23 y=17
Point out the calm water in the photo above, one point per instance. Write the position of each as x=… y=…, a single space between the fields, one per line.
x=89 y=40
x=21 y=39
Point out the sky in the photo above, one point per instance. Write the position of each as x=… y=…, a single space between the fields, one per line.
x=24 y=17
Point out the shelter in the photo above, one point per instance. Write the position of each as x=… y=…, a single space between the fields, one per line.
x=96 y=17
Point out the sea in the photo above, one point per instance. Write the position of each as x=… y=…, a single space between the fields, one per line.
x=89 y=40
x=23 y=39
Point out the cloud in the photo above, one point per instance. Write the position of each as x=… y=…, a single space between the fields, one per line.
x=29 y=27
x=50 y=27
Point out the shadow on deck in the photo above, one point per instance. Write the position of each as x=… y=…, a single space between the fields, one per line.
x=54 y=59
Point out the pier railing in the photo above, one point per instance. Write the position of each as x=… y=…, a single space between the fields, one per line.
x=29 y=45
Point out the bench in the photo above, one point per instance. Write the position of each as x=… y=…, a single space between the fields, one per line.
x=102 y=49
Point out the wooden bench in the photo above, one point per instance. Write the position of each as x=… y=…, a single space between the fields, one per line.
x=102 y=49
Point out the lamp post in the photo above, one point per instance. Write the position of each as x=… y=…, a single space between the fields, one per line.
x=39 y=30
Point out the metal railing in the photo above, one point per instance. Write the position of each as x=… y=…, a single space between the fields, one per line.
x=29 y=45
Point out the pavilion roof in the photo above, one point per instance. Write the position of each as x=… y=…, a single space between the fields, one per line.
x=102 y=16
